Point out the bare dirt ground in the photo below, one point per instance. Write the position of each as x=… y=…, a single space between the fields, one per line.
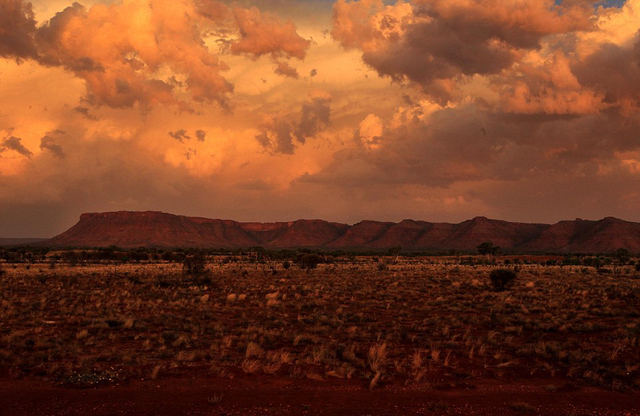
x=263 y=395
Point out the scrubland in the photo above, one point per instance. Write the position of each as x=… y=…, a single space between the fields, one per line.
x=416 y=322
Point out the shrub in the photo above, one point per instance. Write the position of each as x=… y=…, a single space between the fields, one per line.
x=310 y=261
x=194 y=265
x=501 y=279
x=638 y=266
x=622 y=255
x=286 y=264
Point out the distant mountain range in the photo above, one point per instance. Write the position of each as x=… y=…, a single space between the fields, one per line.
x=135 y=229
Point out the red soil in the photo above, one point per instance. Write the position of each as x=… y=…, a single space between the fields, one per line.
x=265 y=395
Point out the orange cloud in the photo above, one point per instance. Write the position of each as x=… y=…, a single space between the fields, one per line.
x=286 y=70
x=547 y=88
x=132 y=53
x=17 y=27
x=433 y=42
x=265 y=34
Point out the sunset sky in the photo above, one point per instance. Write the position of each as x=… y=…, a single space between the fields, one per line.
x=439 y=110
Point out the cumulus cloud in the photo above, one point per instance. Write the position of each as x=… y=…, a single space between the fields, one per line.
x=265 y=34
x=119 y=49
x=436 y=43
x=279 y=131
x=17 y=29
x=524 y=110
x=370 y=131
x=614 y=72
x=438 y=148
x=538 y=99
x=15 y=144
x=548 y=88
x=146 y=52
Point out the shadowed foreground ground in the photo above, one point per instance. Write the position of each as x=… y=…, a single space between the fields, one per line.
x=276 y=396
x=430 y=335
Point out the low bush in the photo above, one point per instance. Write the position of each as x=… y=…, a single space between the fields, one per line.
x=194 y=265
x=310 y=261
x=501 y=279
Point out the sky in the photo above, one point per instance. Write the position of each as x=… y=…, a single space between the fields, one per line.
x=276 y=110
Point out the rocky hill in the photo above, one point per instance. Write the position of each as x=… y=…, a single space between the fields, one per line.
x=135 y=229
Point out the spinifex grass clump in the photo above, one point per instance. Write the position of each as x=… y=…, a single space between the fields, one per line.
x=502 y=279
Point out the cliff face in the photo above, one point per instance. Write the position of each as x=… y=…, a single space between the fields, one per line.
x=134 y=229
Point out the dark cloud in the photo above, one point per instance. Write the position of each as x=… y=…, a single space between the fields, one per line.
x=49 y=143
x=279 y=132
x=85 y=112
x=314 y=119
x=284 y=69
x=15 y=144
x=180 y=135
x=17 y=30
x=263 y=140
x=437 y=41
x=277 y=137
x=468 y=144
x=614 y=71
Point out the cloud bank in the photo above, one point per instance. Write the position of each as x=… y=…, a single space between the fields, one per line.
x=347 y=110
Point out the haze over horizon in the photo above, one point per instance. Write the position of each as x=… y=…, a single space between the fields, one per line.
x=435 y=110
